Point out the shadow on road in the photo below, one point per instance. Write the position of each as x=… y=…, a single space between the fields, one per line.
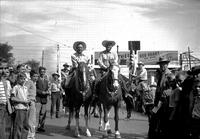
x=52 y=130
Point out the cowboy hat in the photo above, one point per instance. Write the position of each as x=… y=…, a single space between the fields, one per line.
x=154 y=84
x=163 y=60
x=140 y=63
x=77 y=43
x=66 y=64
x=55 y=73
x=106 y=42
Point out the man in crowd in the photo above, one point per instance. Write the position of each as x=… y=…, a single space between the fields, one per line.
x=158 y=122
x=42 y=91
x=5 y=117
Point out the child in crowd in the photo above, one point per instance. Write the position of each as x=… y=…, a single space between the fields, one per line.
x=56 y=91
x=21 y=104
x=31 y=85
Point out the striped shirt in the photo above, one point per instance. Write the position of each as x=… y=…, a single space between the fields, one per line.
x=2 y=94
x=3 y=99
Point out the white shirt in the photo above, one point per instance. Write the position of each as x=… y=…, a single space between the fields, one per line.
x=20 y=92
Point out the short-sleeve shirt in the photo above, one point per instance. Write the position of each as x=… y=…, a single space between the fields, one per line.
x=20 y=92
x=105 y=58
x=76 y=58
x=142 y=74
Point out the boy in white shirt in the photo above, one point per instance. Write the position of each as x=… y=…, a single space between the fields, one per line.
x=21 y=104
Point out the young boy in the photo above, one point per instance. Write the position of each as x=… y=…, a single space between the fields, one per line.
x=19 y=97
x=55 y=94
x=31 y=85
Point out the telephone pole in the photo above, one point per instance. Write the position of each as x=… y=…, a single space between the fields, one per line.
x=42 y=58
x=189 y=58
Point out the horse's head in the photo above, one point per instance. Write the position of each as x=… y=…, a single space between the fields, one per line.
x=82 y=75
x=113 y=76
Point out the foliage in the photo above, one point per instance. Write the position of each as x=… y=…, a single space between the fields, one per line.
x=5 y=52
x=33 y=64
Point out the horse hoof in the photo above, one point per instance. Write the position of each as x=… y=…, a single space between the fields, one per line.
x=88 y=134
x=117 y=136
x=68 y=127
x=77 y=135
x=105 y=137
x=109 y=131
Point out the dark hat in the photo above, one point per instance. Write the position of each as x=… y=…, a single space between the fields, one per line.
x=163 y=60
x=55 y=73
x=77 y=43
x=140 y=63
x=105 y=43
x=66 y=64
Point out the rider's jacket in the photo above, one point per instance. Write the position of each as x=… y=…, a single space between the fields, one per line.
x=106 y=58
x=76 y=58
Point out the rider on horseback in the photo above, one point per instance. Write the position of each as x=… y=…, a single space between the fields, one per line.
x=105 y=61
x=79 y=47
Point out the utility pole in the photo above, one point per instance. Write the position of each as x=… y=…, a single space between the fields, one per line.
x=58 y=60
x=189 y=58
x=42 y=58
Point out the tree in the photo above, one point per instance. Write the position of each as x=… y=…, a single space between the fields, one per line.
x=6 y=54
x=33 y=64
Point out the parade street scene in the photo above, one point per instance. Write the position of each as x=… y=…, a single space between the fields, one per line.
x=99 y=69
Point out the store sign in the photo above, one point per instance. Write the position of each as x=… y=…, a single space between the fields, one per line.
x=147 y=57
x=152 y=57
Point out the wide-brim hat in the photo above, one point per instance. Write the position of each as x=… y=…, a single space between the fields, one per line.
x=154 y=84
x=163 y=60
x=55 y=74
x=66 y=64
x=106 y=42
x=140 y=63
x=77 y=43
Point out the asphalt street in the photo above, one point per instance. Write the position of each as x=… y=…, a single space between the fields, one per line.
x=135 y=128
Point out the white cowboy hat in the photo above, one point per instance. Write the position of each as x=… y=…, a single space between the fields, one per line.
x=140 y=63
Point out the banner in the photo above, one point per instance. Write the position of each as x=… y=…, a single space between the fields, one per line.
x=147 y=57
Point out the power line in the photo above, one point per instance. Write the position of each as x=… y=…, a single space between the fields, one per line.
x=38 y=35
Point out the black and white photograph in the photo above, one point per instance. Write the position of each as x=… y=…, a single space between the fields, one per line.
x=99 y=69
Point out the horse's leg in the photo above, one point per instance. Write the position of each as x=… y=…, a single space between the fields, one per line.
x=116 y=110
x=106 y=122
x=70 y=118
x=86 y=121
x=100 y=116
x=77 y=110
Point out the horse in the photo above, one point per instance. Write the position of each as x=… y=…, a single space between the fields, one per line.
x=110 y=94
x=80 y=94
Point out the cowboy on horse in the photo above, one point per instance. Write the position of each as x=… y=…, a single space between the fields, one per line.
x=107 y=58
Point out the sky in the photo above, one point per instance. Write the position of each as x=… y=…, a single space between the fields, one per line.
x=32 y=26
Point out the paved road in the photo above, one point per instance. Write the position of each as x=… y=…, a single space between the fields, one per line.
x=135 y=128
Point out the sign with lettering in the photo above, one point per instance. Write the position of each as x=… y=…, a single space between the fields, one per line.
x=147 y=57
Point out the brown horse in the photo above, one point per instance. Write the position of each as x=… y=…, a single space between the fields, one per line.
x=79 y=95
x=110 y=94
